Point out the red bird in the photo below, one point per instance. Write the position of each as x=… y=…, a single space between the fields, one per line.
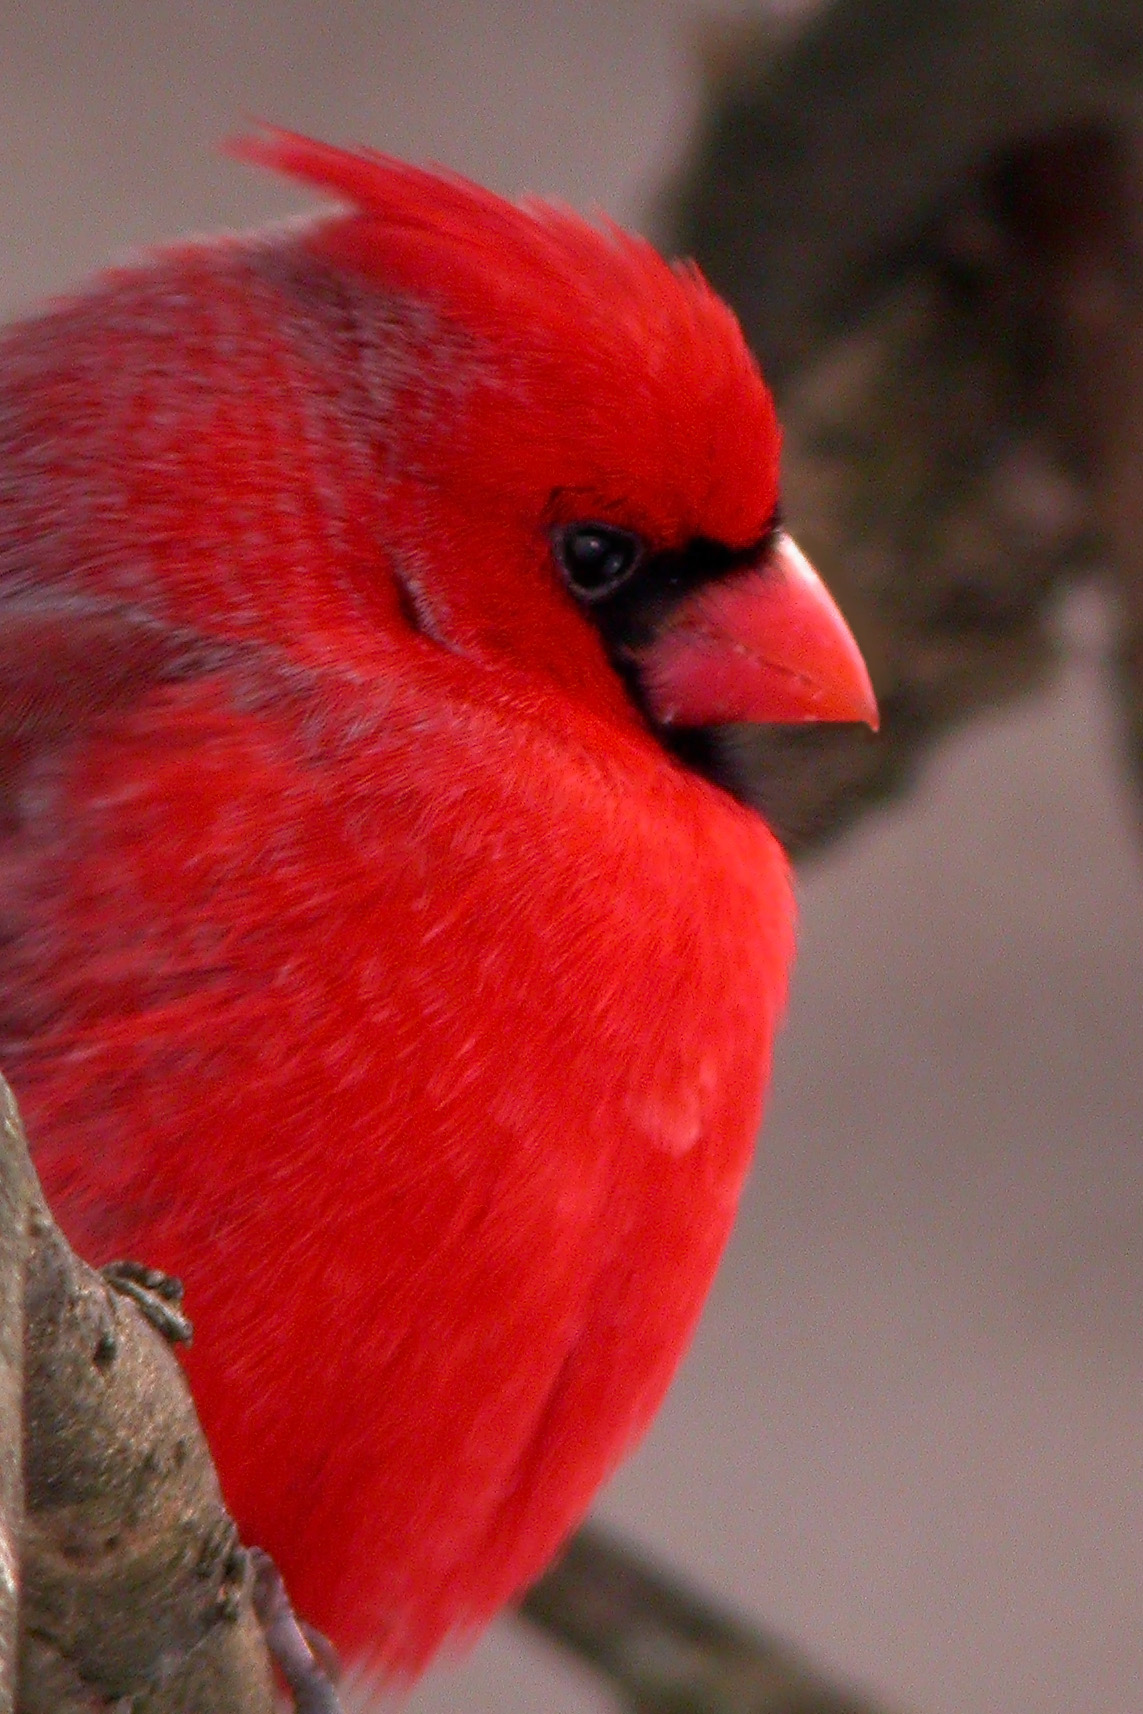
x=369 y=955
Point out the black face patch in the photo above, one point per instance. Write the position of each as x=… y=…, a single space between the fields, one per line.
x=630 y=592
x=631 y=616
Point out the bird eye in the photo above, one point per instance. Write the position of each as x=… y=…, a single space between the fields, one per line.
x=597 y=558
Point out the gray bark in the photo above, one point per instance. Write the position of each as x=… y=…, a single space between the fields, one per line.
x=134 y=1591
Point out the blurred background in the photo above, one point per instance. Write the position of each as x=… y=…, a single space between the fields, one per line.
x=908 y=1434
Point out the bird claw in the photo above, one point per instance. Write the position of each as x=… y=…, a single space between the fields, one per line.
x=157 y=1295
x=306 y=1659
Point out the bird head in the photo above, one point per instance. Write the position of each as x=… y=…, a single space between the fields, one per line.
x=592 y=440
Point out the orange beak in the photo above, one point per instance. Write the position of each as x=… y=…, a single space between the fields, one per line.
x=769 y=645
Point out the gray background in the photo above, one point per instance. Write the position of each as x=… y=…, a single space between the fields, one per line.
x=908 y=1432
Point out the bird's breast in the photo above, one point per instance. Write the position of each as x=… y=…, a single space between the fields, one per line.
x=429 y=1051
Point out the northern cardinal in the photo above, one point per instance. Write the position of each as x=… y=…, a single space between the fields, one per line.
x=369 y=956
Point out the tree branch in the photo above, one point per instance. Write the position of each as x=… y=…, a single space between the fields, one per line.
x=665 y=1649
x=134 y=1590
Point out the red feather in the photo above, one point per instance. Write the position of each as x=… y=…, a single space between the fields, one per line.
x=364 y=958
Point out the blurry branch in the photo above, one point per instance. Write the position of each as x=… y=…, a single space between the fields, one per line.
x=1124 y=501
x=1104 y=326
x=928 y=219
x=134 y=1593
x=666 y=1650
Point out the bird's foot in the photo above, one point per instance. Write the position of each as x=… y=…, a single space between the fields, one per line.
x=158 y=1295
x=307 y=1661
